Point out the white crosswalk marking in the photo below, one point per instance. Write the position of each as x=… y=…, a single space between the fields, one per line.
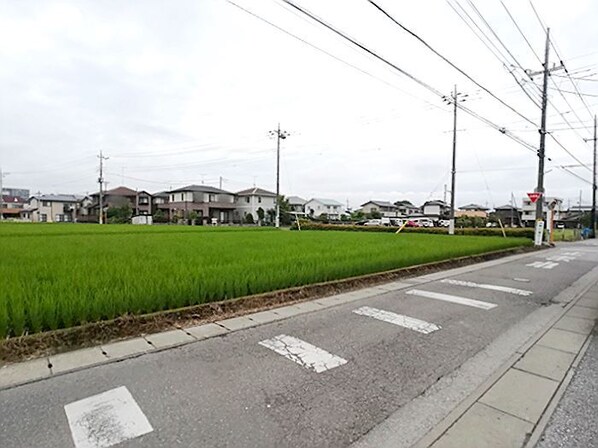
x=411 y=323
x=453 y=299
x=564 y=258
x=106 y=419
x=303 y=353
x=519 y=292
x=542 y=264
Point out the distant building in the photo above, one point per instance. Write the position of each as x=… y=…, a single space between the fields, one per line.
x=436 y=210
x=140 y=202
x=385 y=208
x=16 y=192
x=472 y=211
x=249 y=201
x=317 y=207
x=11 y=206
x=528 y=215
x=406 y=208
x=209 y=203
x=296 y=205
x=52 y=208
x=509 y=215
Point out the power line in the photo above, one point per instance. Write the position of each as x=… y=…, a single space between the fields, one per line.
x=445 y=59
x=501 y=129
x=521 y=32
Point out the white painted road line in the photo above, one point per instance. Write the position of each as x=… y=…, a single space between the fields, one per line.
x=565 y=258
x=542 y=264
x=518 y=292
x=303 y=353
x=411 y=323
x=453 y=299
x=106 y=419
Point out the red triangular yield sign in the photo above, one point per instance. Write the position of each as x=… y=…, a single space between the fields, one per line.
x=534 y=196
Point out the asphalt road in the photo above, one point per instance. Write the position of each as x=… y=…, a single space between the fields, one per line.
x=238 y=390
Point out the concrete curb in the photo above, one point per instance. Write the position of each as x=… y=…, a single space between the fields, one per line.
x=18 y=374
x=446 y=433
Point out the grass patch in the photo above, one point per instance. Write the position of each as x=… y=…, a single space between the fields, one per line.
x=58 y=276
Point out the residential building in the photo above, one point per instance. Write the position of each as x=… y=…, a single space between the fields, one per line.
x=11 y=206
x=160 y=201
x=472 y=211
x=385 y=208
x=509 y=215
x=16 y=192
x=296 y=205
x=436 y=210
x=209 y=203
x=249 y=201
x=406 y=208
x=53 y=208
x=528 y=215
x=317 y=207
x=140 y=202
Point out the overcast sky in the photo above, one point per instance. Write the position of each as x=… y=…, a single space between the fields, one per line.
x=181 y=92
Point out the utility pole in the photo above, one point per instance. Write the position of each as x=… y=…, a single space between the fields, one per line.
x=542 y=151
x=454 y=99
x=2 y=174
x=101 y=182
x=220 y=183
x=593 y=226
x=280 y=135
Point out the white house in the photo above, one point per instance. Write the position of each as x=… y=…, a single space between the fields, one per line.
x=52 y=208
x=528 y=215
x=249 y=201
x=435 y=209
x=316 y=207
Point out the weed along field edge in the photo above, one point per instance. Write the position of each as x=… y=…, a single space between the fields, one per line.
x=59 y=276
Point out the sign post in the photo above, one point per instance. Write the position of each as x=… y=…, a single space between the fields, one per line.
x=539 y=229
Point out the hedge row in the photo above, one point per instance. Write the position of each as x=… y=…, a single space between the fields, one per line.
x=485 y=231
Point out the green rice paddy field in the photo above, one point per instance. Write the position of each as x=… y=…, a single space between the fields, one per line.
x=61 y=275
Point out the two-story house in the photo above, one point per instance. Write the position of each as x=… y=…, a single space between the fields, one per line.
x=209 y=203
x=317 y=207
x=52 y=208
x=296 y=205
x=436 y=210
x=249 y=201
x=472 y=211
x=385 y=208
x=11 y=206
x=528 y=209
x=140 y=202
x=406 y=208
x=509 y=215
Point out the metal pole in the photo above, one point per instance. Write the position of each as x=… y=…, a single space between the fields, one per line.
x=1 y=196
x=101 y=181
x=453 y=171
x=277 y=221
x=542 y=150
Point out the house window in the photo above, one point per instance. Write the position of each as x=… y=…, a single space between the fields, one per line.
x=45 y=203
x=212 y=198
x=143 y=200
x=43 y=217
x=182 y=197
x=259 y=199
x=247 y=199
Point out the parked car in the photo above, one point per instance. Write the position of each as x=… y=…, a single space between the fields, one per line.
x=424 y=222
x=411 y=223
x=373 y=222
x=444 y=223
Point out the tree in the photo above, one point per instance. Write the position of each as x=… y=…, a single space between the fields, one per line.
x=159 y=216
x=193 y=215
x=286 y=218
x=260 y=215
x=248 y=218
x=375 y=215
x=271 y=215
x=120 y=215
x=357 y=215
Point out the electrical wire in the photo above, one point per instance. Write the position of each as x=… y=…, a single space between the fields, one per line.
x=445 y=59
